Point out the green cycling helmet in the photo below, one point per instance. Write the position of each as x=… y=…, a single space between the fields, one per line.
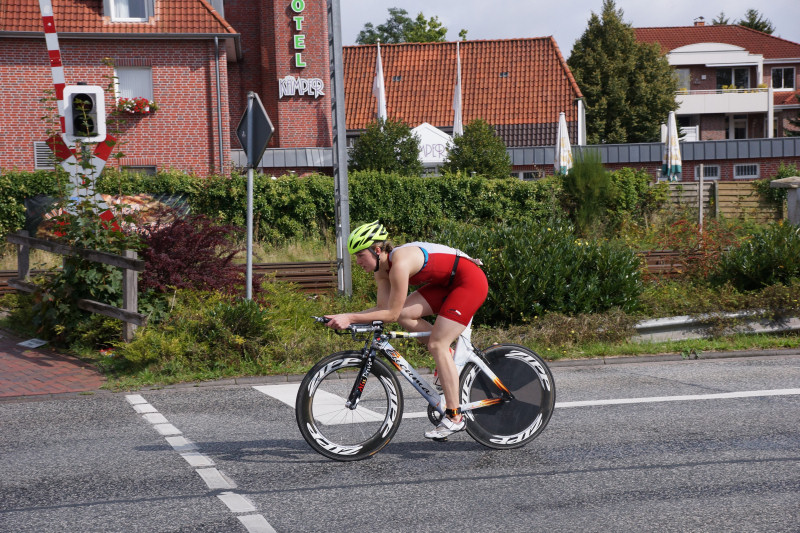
x=363 y=236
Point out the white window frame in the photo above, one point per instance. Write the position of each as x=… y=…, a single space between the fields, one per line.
x=530 y=175
x=132 y=82
x=792 y=78
x=112 y=7
x=684 y=78
x=148 y=170
x=706 y=168
x=738 y=168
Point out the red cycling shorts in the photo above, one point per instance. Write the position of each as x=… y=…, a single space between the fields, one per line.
x=461 y=299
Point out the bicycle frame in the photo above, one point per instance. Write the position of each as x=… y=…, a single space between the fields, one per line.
x=465 y=353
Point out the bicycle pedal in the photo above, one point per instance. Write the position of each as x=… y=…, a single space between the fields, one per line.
x=440 y=439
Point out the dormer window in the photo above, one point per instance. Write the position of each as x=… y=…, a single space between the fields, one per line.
x=129 y=10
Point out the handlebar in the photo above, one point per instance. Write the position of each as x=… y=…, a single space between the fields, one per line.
x=353 y=329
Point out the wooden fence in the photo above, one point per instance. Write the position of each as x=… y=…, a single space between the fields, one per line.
x=128 y=262
x=731 y=199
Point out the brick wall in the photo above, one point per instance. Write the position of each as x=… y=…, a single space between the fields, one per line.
x=268 y=31
x=768 y=167
x=183 y=134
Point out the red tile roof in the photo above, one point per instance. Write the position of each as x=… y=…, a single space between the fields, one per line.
x=786 y=98
x=85 y=16
x=518 y=85
x=754 y=41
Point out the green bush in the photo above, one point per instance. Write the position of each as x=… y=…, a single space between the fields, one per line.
x=16 y=186
x=775 y=195
x=479 y=151
x=634 y=197
x=387 y=145
x=771 y=256
x=535 y=268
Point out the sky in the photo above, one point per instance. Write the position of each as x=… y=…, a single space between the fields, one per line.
x=566 y=20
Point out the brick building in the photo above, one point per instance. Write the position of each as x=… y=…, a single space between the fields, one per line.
x=198 y=59
x=734 y=82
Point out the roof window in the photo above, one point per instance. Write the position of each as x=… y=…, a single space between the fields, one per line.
x=504 y=74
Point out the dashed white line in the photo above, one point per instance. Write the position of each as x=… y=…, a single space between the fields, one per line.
x=255 y=523
x=214 y=478
x=167 y=429
x=197 y=459
x=181 y=444
x=204 y=466
x=154 y=417
x=144 y=408
x=236 y=502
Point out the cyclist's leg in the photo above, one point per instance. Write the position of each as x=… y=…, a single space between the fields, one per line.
x=415 y=308
x=444 y=334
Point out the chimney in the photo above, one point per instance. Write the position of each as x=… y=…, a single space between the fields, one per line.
x=699 y=21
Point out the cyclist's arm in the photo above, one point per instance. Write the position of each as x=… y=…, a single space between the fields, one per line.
x=392 y=292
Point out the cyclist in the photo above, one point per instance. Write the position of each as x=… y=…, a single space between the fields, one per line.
x=453 y=287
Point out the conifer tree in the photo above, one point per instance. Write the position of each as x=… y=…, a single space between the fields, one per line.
x=756 y=21
x=629 y=87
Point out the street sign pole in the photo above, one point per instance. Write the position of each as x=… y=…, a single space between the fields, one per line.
x=340 y=184
x=250 y=165
x=254 y=131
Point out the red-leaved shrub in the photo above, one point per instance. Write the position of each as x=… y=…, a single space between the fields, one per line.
x=191 y=252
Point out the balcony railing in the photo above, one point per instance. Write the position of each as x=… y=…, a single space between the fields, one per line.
x=725 y=101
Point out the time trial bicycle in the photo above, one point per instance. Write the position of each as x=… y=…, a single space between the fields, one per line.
x=350 y=403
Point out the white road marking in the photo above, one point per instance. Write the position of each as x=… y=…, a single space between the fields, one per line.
x=288 y=393
x=690 y=397
x=197 y=459
x=236 y=502
x=155 y=417
x=213 y=478
x=135 y=399
x=166 y=429
x=255 y=523
x=181 y=444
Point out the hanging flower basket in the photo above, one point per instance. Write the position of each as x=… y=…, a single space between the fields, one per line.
x=136 y=106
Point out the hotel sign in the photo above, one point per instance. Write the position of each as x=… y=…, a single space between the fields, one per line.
x=297 y=86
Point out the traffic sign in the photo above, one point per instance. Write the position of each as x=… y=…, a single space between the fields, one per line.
x=254 y=130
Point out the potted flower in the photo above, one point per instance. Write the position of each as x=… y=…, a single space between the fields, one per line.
x=136 y=105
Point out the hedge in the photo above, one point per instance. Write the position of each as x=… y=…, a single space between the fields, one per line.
x=289 y=207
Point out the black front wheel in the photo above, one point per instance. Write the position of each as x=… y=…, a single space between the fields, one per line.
x=335 y=430
x=512 y=423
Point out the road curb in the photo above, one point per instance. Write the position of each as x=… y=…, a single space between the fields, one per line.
x=297 y=378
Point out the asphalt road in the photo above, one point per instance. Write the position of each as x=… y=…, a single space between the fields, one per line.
x=657 y=446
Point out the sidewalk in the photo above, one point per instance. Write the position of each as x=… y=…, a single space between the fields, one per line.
x=43 y=372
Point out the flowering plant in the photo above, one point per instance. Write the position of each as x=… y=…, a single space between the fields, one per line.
x=136 y=105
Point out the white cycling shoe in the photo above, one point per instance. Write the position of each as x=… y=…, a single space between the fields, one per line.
x=446 y=428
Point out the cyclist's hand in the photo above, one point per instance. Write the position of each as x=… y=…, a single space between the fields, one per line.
x=338 y=321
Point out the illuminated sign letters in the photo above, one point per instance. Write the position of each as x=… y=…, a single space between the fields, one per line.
x=299 y=39
x=296 y=86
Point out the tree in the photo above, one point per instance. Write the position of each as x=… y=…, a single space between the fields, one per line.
x=629 y=87
x=480 y=151
x=387 y=146
x=721 y=20
x=400 y=28
x=754 y=20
